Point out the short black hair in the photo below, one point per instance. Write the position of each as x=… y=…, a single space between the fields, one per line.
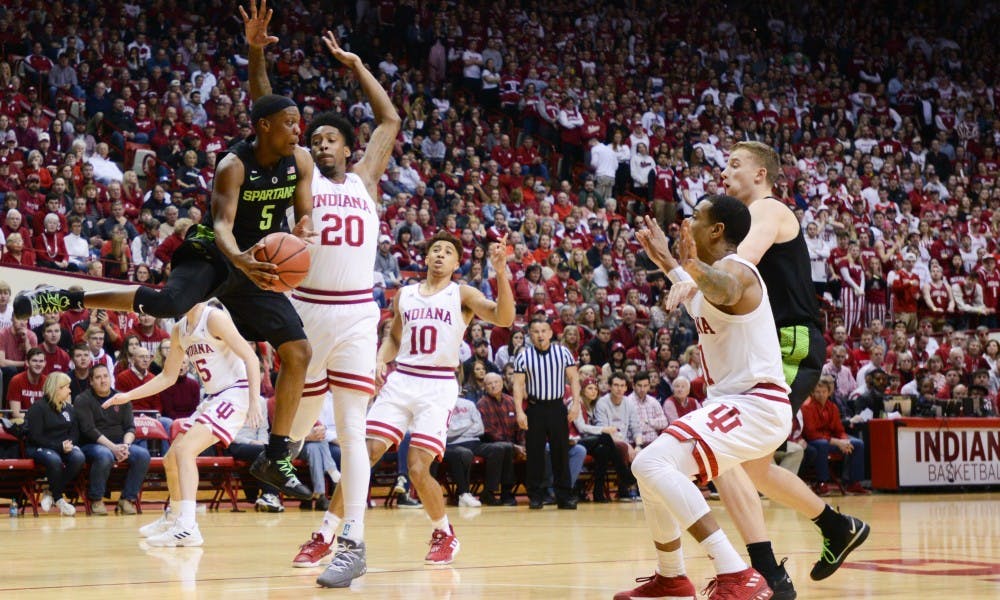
x=444 y=236
x=619 y=375
x=641 y=375
x=333 y=120
x=733 y=214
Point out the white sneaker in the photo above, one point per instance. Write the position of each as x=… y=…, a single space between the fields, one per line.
x=65 y=508
x=468 y=500
x=177 y=536
x=46 y=501
x=164 y=523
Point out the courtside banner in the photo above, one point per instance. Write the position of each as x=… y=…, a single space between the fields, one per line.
x=945 y=457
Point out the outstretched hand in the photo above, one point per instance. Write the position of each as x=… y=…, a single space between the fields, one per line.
x=255 y=24
x=498 y=255
x=656 y=244
x=686 y=249
x=348 y=59
x=116 y=400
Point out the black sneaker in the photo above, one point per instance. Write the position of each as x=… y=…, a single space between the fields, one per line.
x=46 y=300
x=836 y=548
x=781 y=584
x=281 y=474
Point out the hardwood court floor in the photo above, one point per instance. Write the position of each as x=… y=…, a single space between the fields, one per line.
x=921 y=547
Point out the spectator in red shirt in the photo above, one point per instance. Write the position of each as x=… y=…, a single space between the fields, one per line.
x=625 y=333
x=15 y=341
x=16 y=253
x=905 y=292
x=56 y=359
x=149 y=334
x=181 y=399
x=25 y=388
x=824 y=432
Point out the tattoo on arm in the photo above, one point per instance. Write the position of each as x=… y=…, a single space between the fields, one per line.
x=719 y=287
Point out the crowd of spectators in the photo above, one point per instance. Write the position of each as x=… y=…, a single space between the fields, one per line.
x=557 y=124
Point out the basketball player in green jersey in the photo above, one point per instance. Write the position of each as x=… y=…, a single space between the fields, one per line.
x=255 y=182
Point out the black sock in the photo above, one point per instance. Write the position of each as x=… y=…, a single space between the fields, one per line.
x=762 y=558
x=828 y=521
x=277 y=447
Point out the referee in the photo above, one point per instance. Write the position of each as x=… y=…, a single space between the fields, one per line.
x=540 y=374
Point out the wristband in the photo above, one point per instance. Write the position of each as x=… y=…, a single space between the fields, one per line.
x=678 y=274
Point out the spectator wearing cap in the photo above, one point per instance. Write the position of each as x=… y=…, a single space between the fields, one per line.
x=386 y=262
x=616 y=360
x=480 y=352
x=30 y=199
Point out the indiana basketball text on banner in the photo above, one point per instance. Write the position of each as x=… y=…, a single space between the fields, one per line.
x=948 y=457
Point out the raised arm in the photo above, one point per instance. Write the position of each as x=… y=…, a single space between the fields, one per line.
x=387 y=120
x=303 y=226
x=502 y=311
x=727 y=283
x=221 y=326
x=255 y=28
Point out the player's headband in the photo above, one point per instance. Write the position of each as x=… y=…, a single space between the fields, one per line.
x=265 y=106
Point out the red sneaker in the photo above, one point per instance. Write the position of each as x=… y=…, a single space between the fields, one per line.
x=312 y=552
x=658 y=586
x=856 y=489
x=748 y=584
x=444 y=547
x=822 y=489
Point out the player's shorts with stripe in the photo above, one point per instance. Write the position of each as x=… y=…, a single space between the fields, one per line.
x=342 y=328
x=731 y=430
x=418 y=399
x=803 y=352
x=224 y=412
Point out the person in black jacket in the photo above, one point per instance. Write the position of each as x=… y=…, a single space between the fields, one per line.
x=53 y=433
x=108 y=437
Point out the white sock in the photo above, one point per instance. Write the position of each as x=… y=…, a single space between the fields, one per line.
x=170 y=512
x=353 y=530
x=329 y=527
x=670 y=564
x=442 y=524
x=723 y=555
x=186 y=513
x=334 y=474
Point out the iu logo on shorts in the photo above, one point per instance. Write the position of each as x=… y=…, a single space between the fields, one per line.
x=224 y=410
x=724 y=419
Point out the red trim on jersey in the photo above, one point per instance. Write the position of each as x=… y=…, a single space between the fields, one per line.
x=332 y=293
x=427 y=442
x=364 y=389
x=701 y=476
x=353 y=376
x=444 y=373
x=712 y=462
x=217 y=429
x=383 y=430
x=781 y=397
x=332 y=302
x=317 y=388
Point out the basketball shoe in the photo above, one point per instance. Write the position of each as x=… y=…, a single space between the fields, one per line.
x=781 y=584
x=281 y=474
x=177 y=536
x=747 y=584
x=348 y=564
x=444 y=547
x=837 y=544
x=658 y=586
x=46 y=300
x=166 y=522
x=312 y=552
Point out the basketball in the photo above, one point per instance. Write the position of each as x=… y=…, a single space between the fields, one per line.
x=290 y=254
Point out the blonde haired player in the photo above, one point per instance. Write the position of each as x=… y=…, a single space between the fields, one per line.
x=230 y=373
x=335 y=300
x=429 y=320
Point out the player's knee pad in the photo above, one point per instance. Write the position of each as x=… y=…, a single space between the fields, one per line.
x=350 y=410
x=308 y=412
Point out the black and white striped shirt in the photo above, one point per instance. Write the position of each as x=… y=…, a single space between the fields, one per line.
x=545 y=372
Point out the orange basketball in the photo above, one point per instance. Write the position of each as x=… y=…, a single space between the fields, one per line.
x=290 y=254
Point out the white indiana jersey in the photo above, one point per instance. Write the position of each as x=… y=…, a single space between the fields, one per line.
x=217 y=365
x=342 y=257
x=433 y=327
x=737 y=351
